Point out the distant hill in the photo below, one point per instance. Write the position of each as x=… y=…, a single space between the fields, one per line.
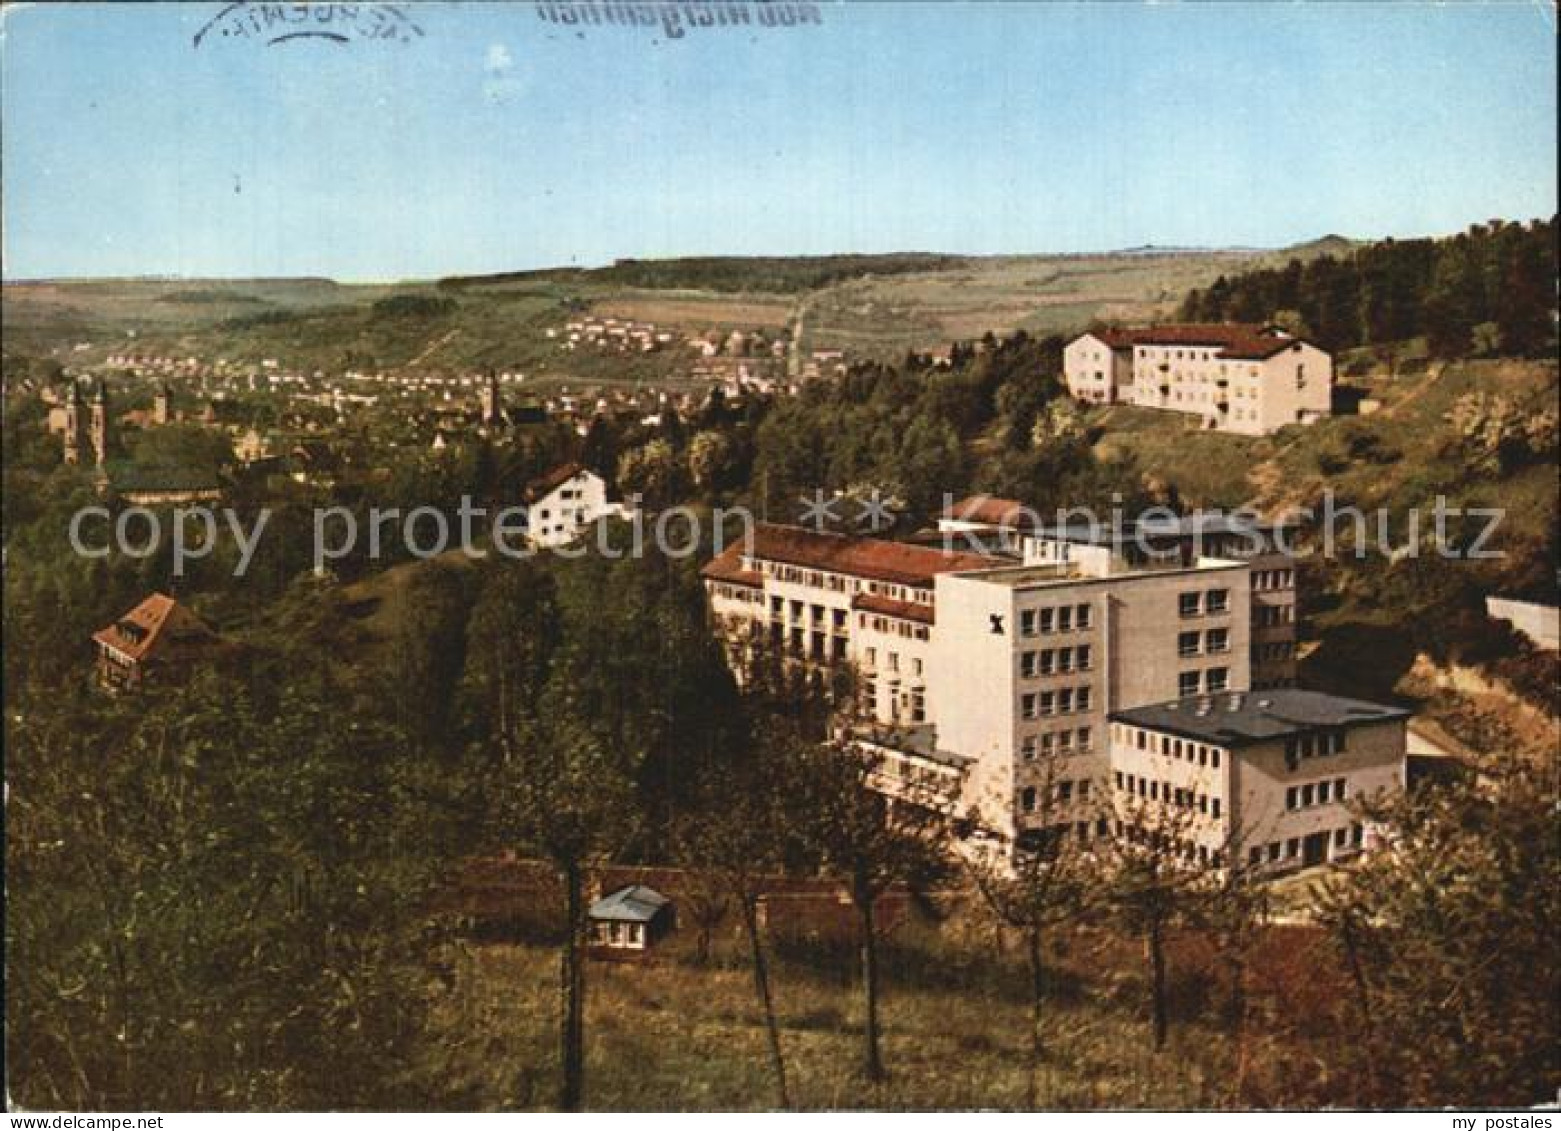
x=874 y=306
x=1327 y=245
x=728 y=274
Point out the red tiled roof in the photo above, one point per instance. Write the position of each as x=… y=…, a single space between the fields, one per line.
x=1114 y=336
x=991 y=510
x=1197 y=334
x=1259 y=348
x=872 y=558
x=544 y=485
x=729 y=568
x=1246 y=340
x=917 y=611
x=158 y=628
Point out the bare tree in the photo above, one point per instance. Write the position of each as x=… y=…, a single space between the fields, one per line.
x=572 y=800
x=1235 y=907
x=1033 y=882
x=1153 y=882
x=736 y=838
x=873 y=843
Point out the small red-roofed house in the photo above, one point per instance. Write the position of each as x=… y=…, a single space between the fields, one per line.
x=159 y=640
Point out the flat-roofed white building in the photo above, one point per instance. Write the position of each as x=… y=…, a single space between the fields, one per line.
x=987 y=522
x=1029 y=660
x=1268 y=777
x=1234 y=377
x=991 y=678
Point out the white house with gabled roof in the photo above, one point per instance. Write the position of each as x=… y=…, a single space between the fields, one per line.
x=560 y=505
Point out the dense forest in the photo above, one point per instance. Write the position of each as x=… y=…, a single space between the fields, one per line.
x=1490 y=290
x=732 y=274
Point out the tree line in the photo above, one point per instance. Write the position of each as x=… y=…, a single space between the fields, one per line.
x=1488 y=290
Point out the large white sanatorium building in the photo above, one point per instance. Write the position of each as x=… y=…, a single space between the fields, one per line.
x=1235 y=377
x=1012 y=678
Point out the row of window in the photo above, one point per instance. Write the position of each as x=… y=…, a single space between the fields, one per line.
x=1315 y=745
x=1063 y=618
x=1189 y=355
x=1063 y=701
x=1051 y=660
x=1197 y=643
x=893 y=626
x=909 y=706
x=871 y=656
x=1206 y=682
x=1163 y=791
x=918 y=773
x=817 y=613
x=1264 y=580
x=1079 y=740
x=739 y=593
x=1063 y=793
x=1275 y=851
x=1273 y=653
x=1314 y=793
x=1183 y=750
x=1209 y=603
x=840 y=583
x=815 y=646
x=1186 y=849
x=1271 y=616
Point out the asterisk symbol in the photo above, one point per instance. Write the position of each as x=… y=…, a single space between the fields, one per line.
x=819 y=511
x=874 y=513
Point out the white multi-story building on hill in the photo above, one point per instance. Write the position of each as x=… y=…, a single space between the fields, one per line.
x=993 y=679
x=562 y=504
x=1234 y=377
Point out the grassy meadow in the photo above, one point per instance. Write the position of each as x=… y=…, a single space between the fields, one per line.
x=672 y=1033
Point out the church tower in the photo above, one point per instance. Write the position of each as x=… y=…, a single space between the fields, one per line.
x=162 y=404
x=490 y=401
x=75 y=422
x=99 y=423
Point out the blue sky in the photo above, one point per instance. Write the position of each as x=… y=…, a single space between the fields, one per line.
x=497 y=141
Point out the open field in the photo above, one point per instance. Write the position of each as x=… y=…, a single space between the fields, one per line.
x=670 y=1034
x=1042 y=294
x=500 y=320
x=697 y=311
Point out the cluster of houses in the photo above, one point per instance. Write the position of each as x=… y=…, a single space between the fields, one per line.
x=1051 y=681
x=621 y=336
x=628 y=336
x=1231 y=377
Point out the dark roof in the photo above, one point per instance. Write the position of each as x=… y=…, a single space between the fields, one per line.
x=872 y=558
x=1242 y=718
x=633 y=904
x=1184 y=526
x=544 y=485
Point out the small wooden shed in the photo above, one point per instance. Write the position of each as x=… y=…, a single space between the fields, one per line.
x=634 y=918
